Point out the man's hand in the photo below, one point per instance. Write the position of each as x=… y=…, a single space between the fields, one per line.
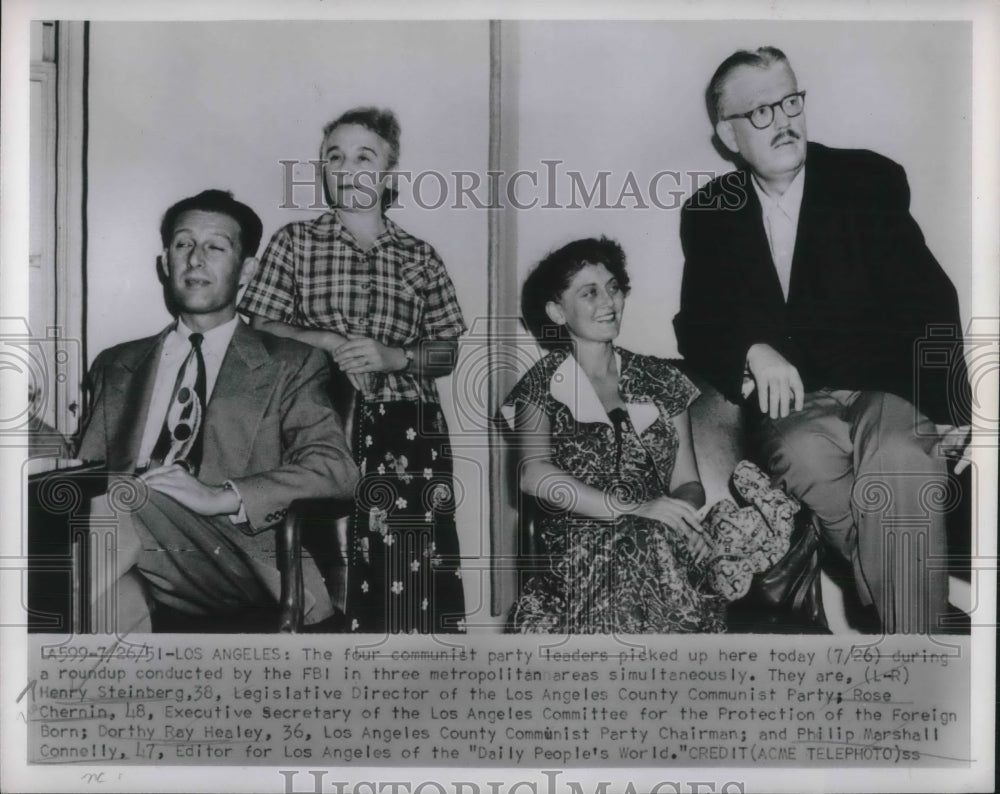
x=779 y=387
x=680 y=517
x=206 y=500
x=359 y=356
x=954 y=443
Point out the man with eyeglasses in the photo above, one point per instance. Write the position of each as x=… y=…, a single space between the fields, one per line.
x=225 y=426
x=807 y=283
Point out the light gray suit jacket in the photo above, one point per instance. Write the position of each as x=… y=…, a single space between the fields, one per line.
x=269 y=425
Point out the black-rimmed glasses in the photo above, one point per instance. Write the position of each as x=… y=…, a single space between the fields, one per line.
x=762 y=117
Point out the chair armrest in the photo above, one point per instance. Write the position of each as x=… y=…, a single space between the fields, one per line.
x=289 y=546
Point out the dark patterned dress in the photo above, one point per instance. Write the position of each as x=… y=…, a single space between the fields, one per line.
x=631 y=575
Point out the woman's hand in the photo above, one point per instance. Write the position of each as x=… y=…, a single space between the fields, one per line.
x=359 y=381
x=679 y=516
x=330 y=341
x=361 y=356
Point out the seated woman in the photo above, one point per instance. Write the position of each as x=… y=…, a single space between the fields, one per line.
x=606 y=444
x=606 y=449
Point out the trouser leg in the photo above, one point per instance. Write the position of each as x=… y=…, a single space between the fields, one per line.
x=199 y=565
x=836 y=456
x=898 y=494
x=118 y=602
x=810 y=454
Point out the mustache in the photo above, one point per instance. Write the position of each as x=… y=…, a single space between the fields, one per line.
x=784 y=135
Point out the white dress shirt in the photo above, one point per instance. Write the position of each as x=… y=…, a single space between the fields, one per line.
x=176 y=347
x=781 y=221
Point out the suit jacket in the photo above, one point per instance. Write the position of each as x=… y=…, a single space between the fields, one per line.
x=269 y=426
x=864 y=288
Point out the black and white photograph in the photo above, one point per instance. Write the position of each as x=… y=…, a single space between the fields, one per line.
x=477 y=400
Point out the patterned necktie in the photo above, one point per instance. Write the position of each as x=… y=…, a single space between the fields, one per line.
x=180 y=439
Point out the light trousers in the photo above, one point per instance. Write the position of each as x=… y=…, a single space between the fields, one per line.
x=867 y=464
x=200 y=565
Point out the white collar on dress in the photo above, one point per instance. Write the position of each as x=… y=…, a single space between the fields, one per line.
x=571 y=386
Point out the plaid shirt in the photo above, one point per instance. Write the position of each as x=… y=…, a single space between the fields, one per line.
x=314 y=274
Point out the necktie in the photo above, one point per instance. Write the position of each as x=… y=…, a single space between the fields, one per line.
x=180 y=438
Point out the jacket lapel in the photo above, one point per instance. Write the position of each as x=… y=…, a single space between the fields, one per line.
x=242 y=392
x=131 y=386
x=750 y=242
x=810 y=216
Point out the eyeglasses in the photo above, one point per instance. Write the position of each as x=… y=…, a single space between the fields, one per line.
x=762 y=117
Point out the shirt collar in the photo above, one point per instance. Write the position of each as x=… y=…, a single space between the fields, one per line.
x=789 y=202
x=570 y=385
x=214 y=342
x=331 y=223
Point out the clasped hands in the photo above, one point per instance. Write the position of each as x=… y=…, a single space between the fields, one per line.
x=682 y=518
x=360 y=356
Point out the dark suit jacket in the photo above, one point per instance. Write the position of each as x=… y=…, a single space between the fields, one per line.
x=269 y=426
x=864 y=288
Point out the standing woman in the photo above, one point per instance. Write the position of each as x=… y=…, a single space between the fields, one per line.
x=380 y=302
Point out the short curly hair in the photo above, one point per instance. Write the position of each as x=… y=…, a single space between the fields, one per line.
x=382 y=122
x=550 y=278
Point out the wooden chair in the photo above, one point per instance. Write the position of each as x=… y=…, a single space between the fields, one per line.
x=328 y=547
x=61 y=557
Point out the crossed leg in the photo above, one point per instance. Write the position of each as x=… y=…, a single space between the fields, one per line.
x=866 y=464
x=199 y=565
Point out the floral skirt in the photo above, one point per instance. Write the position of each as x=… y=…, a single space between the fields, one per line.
x=404 y=566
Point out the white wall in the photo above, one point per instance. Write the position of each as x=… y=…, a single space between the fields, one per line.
x=629 y=96
x=175 y=108
x=179 y=107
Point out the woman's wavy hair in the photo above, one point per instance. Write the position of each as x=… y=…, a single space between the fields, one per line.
x=382 y=122
x=550 y=278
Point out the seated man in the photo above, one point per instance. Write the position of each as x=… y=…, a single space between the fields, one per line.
x=225 y=425
x=807 y=280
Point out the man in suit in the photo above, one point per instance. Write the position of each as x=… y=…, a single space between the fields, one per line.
x=224 y=424
x=807 y=281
